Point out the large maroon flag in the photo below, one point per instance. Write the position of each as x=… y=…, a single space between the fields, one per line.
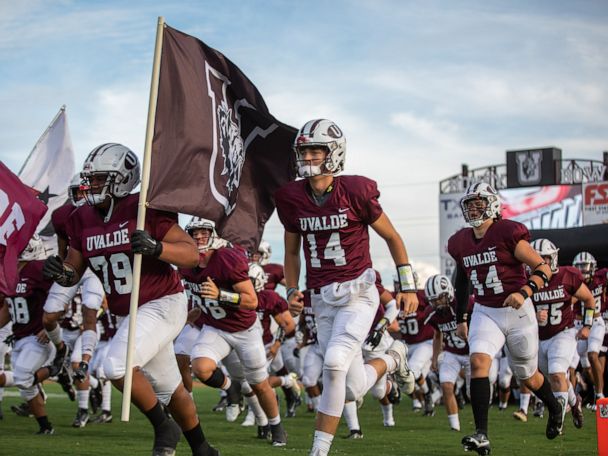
x=20 y=212
x=217 y=151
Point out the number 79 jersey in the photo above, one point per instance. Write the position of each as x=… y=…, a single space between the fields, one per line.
x=489 y=262
x=335 y=234
x=106 y=247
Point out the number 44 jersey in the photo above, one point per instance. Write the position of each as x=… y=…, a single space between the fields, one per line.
x=490 y=262
x=335 y=233
x=106 y=247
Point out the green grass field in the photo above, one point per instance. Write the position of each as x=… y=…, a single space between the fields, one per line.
x=413 y=435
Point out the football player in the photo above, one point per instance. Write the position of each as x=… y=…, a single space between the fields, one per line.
x=32 y=349
x=556 y=314
x=589 y=349
x=439 y=293
x=103 y=236
x=331 y=214
x=490 y=256
x=230 y=326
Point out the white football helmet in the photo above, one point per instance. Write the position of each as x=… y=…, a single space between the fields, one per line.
x=73 y=188
x=121 y=166
x=214 y=242
x=546 y=248
x=257 y=276
x=586 y=263
x=265 y=252
x=320 y=133
x=34 y=250
x=438 y=287
x=486 y=193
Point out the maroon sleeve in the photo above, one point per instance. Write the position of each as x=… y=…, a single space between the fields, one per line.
x=74 y=232
x=279 y=305
x=453 y=247
x=518 y=232
x=158 y=223
x=365 y=199
x=573 y=279
x=59 y=219
x=284 y=208
x=235 y=264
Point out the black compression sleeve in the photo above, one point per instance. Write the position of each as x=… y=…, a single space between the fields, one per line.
x=462 y=294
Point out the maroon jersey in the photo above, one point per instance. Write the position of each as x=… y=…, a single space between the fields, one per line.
x=556 y=299
x=26 y=306
x=107 y=249
x=274 y=275
x=490 y=263
x=226 y=267
x=308 y=322
x=72 y=319
x=336 y=238
x=106 y=323
x=412 y=327
x=444 y=320
x=270 y=304
x=60 y=219
x=597 y=286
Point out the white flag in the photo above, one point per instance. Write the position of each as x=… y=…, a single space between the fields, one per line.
x=50 y=168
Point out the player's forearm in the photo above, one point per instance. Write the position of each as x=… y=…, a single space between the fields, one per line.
x=292 y=270
x=182 y=254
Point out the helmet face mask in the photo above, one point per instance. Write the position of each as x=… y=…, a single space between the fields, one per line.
x=480 y=203
x=258 y=276
x=264 y=252
x=34 y=250
x=110 y=171
x=586 y=263
x=439 y=291
x=548 y=251
x=75 y=193
x=203 y=232
x=316 y=138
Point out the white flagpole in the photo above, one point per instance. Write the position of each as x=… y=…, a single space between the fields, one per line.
x=61 y=110
x=141 y=218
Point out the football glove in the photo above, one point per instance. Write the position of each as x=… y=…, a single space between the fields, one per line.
x=56 y=270
x=374 y=338
x=142 y=242
x=80 y=373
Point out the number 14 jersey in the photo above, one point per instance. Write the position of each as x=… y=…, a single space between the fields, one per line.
x=335 y=234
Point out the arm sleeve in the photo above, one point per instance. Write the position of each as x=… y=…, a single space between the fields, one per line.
x=462 y=295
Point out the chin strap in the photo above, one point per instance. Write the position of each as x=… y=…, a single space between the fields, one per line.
x=106 y=219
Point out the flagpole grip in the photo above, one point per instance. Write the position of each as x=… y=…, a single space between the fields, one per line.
x=141 y=218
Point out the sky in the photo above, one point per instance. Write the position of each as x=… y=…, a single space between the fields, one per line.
x=418 y=87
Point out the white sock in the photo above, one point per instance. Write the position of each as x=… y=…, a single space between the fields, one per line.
x=227 y=384
x=8 y=381
x=571 y=395
x=274 y=421
x=93 y=382
x=350 y=416
x=391 y=362
x=321 y=443
x=387 y=412
x=502 y=404
x=55 y=335
x=254 y=405
x=315 y=402
x=524 y=402
x=371 y=376
x=424 y=387
x=454 y=421
x=106 y=395
x=82 y=396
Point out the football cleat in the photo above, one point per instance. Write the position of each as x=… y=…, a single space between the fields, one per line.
x=279 y=436
x=462 y=402
x=249 y=419
x=104 y=417
x=82 y=418
x=221 y=405
x=403 y=374
x=577 y=413
x=64 y=379
x=22 y=409
x=429 y=406
x=95 y=398
x=539 y=409
x=62 y=357
x=355 y=434
x=389 y=423
x=477 y=442
x=394 y=393
x=264 y=432
x=555 y=423
x=46 y=431
x=232 y=412
x=521 y=416
x=166 y=438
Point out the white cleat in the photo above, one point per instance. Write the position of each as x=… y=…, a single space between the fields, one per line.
x=389 y=423
x=249 y=419
x=232 y=412
x=403 y=374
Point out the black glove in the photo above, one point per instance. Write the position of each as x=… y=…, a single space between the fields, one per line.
x=142 y=242
x=80 y=373
x=10 y=340
x=375 y=336
x=55 y=269
x=296 y=352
